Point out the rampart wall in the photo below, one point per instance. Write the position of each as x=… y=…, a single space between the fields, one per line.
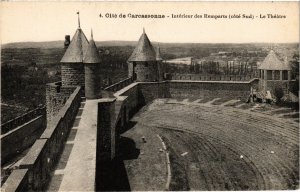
x=17 y=140
x=18 y=121
x=202 y=89
x=34 y=170
x=211 y=77
x=56 y=97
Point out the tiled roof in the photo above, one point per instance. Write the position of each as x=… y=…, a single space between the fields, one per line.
x=76 y=49
x=91 y=55
x=272 y=62
x=144 y=50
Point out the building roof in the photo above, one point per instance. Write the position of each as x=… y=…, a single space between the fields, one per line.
x=91 y=55
x=144 y=50
x=76 y=49
x=158 y=56
x=272 y=62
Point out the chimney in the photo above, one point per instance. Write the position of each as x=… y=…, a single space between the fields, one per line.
x=67 y=41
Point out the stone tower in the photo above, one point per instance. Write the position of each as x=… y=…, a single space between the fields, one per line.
x=142 y=64
x=72 y=68
x=92 y=63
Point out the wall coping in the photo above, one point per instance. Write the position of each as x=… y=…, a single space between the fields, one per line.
x=119 y=93
x=14 y=181
x=125 y=89
x=33 y=154
x=220 y=82
x=51 y=128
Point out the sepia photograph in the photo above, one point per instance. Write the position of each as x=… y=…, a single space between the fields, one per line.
x=149 y=96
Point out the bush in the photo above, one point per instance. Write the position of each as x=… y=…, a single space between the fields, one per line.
x=279 y=93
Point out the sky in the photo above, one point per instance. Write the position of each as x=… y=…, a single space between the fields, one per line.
x=51 y=21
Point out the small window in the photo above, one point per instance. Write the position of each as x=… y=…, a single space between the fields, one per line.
x=285 y=75
x=146 y=76
x=146 y=64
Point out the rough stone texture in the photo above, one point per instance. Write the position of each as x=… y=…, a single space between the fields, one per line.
x=56 y=97
x=19 y=139
x=92 y=81
x=36 y=165
x=150 y=91
x=72 y=74
x=43 y=155
x=234 y=90
x=146 y=71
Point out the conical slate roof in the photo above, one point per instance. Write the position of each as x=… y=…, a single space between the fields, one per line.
x=144 y=50
x=158 y=57
x=272 y=62
x=76 y=49
x=91 y=55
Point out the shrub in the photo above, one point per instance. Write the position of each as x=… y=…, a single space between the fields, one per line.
x=279 y=93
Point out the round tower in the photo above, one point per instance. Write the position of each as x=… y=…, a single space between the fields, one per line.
x=92 y=62
x=142 y=64
x=72 y=69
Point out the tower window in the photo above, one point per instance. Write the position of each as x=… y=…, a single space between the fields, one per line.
x=146 y=64
x=146 y=76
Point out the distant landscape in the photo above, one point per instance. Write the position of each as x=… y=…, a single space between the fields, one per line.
x=26 y=67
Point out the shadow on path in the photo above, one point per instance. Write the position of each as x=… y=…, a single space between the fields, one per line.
x=112 y=175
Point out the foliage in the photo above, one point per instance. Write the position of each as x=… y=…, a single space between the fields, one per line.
x=279 y=93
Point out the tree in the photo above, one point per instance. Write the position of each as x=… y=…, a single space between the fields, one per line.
x=279 y=93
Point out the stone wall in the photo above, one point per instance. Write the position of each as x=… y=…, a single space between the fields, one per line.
x=150 y=91
x=202 y=89
x=72 y=74
x=56 y=97
x=42 y=157
x=146 y=71
x=119 y=85
x=19 y=139
x=136 y=95
x=18 y=121
x=211 y=77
